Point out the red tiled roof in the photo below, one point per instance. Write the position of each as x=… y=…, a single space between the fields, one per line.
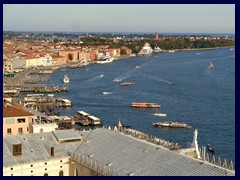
x=13 y=111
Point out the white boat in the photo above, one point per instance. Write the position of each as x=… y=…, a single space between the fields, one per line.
x=106 y=93
x=171 y=51
x=146 y=50
x=65 y=79
x=210 y=65
x=157 y=49
x=105 y=59
x=160 y=114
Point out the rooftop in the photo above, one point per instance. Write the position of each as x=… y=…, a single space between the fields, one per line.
x=123 y=154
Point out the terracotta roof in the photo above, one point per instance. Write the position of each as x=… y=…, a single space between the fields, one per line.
x=13 y=111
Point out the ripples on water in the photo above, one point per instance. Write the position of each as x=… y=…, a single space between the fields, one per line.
x=204 y=98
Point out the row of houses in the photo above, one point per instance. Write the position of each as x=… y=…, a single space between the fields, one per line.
x=17 y=56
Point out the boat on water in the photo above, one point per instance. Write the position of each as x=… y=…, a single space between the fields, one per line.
x=146 y=50
x=145 y=105
x=126 y=84
x=172 y=124
x=171 y=51
x=105 y=59
x=210 y=65
x=66 y=79
x=157 y=49
x=210 y=148
x=106 y=93
x=160 y=114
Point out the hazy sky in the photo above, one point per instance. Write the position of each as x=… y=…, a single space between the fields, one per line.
x=204 y=18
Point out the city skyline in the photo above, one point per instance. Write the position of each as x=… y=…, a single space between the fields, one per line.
x=181 y=18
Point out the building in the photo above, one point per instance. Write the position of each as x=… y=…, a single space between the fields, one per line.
x=99 y=152
x=156 y=36
x=16 y=120
x=43 y=127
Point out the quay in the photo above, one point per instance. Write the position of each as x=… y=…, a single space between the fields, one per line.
x=42 y=88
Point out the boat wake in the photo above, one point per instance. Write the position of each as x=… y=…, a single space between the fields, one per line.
x=161 y=80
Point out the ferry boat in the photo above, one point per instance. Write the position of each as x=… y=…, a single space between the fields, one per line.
x=65 y=79
x=160 y=114
x=146 y=50
x=172 y=124
x=126 y=84
x=145 y=105
x=210 y=65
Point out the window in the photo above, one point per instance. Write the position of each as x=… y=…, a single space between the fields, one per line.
x=46 y=174
x=52 y=151
x=21 y=120
x=27 y=128
x=61 y=173
x=76 y=172
x=20 y=130
x=9 y=130
x=17 y=149
x=10 y=121
x=41 y=130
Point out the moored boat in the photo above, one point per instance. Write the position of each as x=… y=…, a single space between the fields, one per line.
x=145 y=105
x=146 y=50
x=172 y=124
x=126 y=84
x=66 y=79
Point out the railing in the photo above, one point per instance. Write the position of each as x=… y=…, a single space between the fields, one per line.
x=217 y=160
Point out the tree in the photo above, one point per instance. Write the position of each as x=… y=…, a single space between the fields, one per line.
x=123 y=51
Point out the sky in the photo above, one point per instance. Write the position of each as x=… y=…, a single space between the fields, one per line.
x=171 y=18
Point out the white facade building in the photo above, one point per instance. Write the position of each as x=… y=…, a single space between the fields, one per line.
x=42 y=61
x=46 y=127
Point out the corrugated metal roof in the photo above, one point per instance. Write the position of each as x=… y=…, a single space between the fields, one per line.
x=130 y=156
x=121 y=153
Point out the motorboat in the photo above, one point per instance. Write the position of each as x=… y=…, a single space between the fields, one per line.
x=160 y=114
x=106 y=93
x=210 y=148
x=210 y=65
x=126 y=84
x=66 y=79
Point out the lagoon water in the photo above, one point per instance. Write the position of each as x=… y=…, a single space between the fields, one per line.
x=201 y=97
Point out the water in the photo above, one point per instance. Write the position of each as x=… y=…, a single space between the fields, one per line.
x=204 y=98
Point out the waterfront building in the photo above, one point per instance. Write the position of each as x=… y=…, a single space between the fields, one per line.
x=16 y=120
x=70 y=56
x=99 y=152
x=38 y=61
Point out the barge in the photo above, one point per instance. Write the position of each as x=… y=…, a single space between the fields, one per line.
x=172 y=124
